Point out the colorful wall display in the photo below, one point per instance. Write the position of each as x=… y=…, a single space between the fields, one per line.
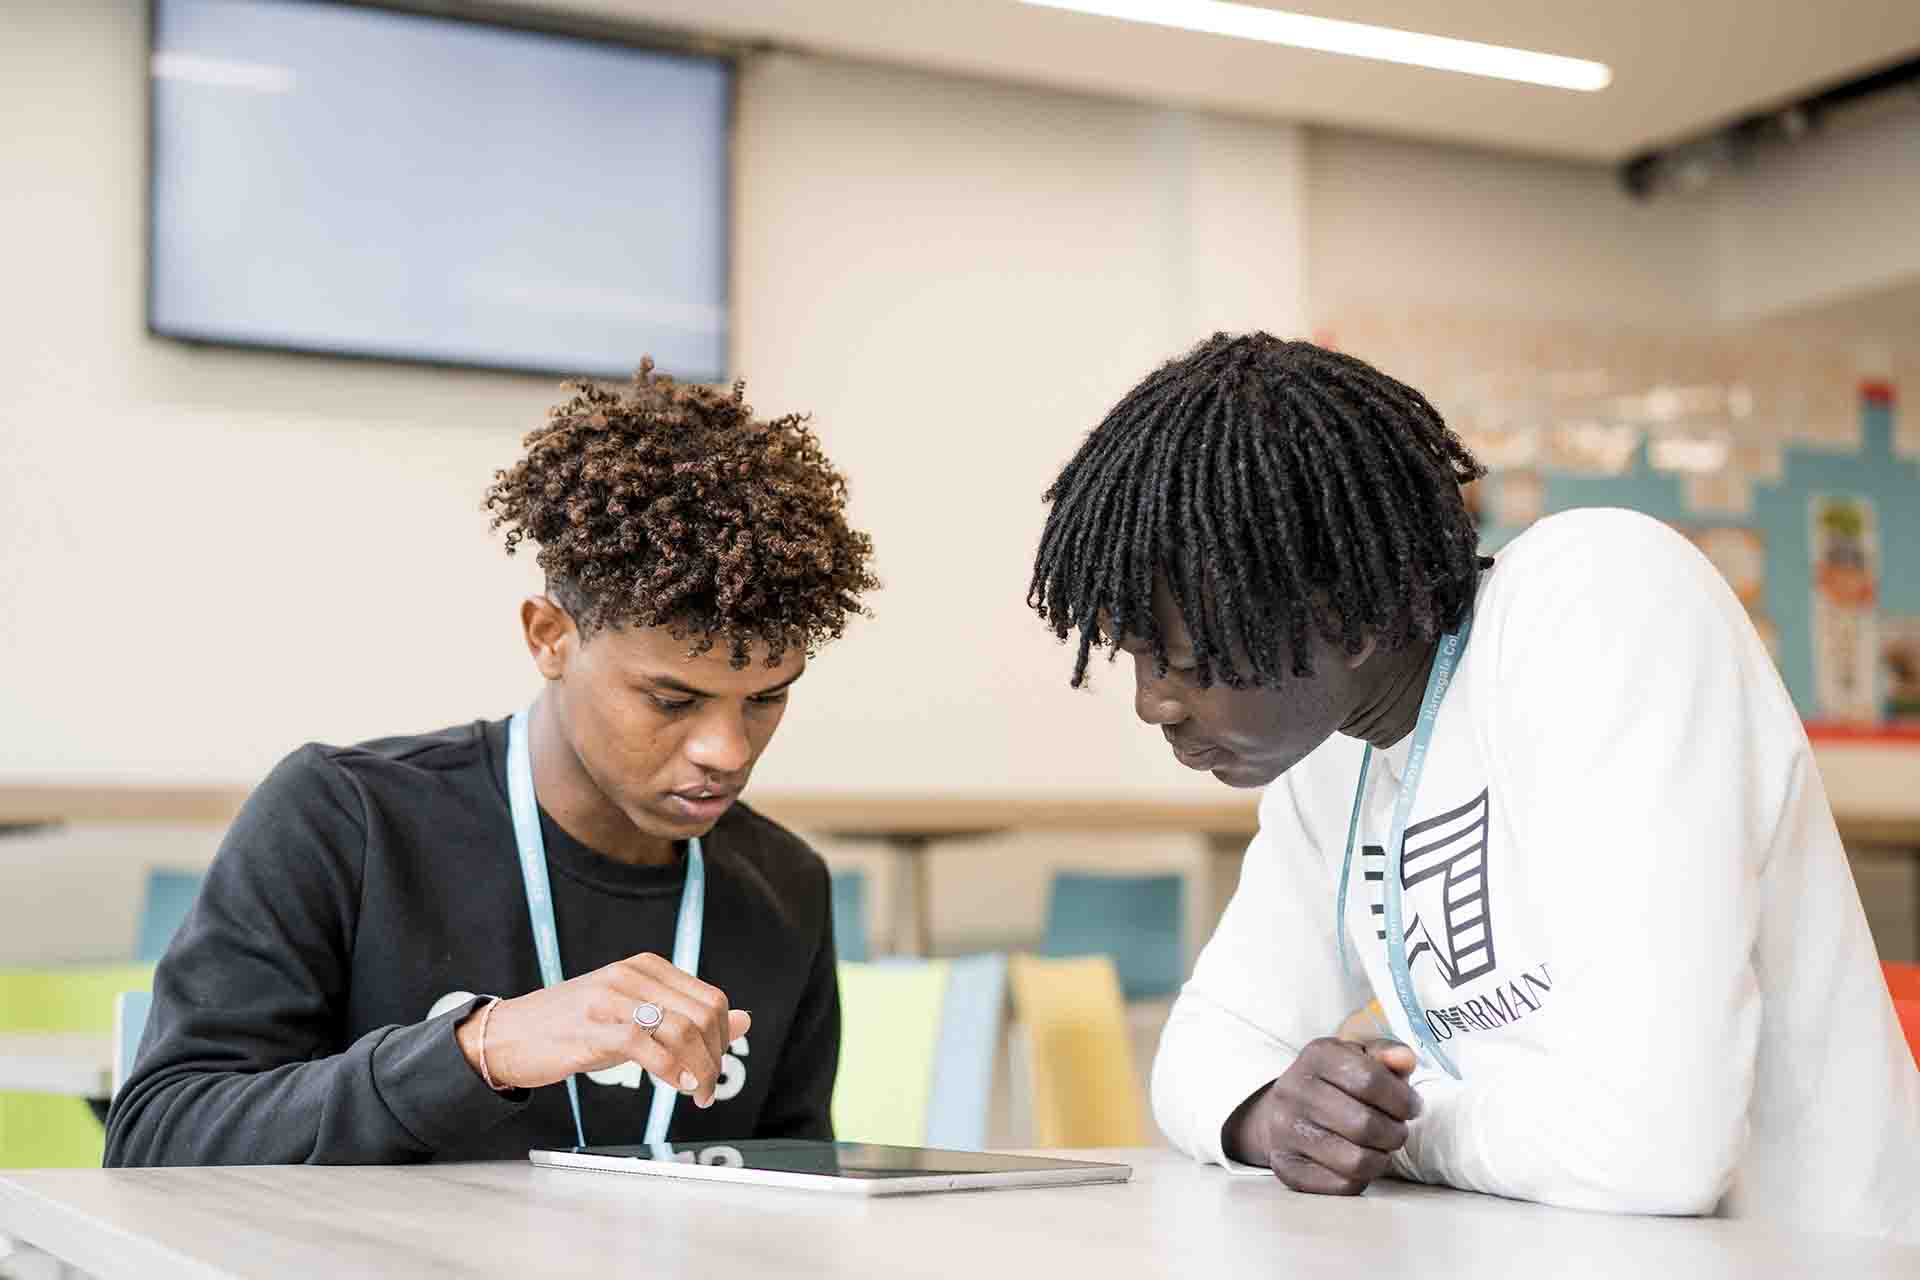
x=1845 y=541
x=1777 y=553
x=1779 y=456
x=1900 y=667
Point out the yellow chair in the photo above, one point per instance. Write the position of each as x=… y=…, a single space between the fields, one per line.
x=1079 y=1061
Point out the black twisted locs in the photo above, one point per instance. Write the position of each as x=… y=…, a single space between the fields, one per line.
x=1282 y=490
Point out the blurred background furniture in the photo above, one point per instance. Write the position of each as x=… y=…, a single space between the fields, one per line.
x=918 y=1043
x=56 y=1061
x=1072 y=1061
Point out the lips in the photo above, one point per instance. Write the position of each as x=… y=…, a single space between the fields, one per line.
x=703 y=803
x=1200 y=758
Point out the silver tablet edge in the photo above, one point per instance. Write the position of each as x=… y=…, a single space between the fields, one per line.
x=1077 y=1176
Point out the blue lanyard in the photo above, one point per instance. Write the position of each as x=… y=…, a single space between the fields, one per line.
x=1445 y=660
x=546 y=939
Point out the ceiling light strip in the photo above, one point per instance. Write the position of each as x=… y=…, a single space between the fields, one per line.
x=1354 y=39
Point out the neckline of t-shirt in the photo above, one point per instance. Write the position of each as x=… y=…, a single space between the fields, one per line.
x=586 y=865
x=576 y=861
x=1394 y=758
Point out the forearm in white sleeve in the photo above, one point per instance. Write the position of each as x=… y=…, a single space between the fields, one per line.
x=1646 y=752
x=1267 y=982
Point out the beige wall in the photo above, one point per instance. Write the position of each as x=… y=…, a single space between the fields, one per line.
x=1827 y=220
x=958 y=279
x=1399 y=221
x=212 y=556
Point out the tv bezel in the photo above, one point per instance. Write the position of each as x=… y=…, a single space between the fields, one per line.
x=572 y=27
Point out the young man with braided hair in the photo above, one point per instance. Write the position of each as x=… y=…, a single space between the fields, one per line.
x=1553 y=818
x=380 y=966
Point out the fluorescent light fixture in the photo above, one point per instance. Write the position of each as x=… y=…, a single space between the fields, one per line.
x=1355 y=39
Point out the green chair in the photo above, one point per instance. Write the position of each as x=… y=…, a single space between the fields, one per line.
x=42 y=1131
x=918 y=1039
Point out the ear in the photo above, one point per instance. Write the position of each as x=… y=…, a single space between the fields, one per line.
x=552 y=639
x=1355 y=661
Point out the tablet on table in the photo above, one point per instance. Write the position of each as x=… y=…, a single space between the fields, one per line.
x=850 y=1168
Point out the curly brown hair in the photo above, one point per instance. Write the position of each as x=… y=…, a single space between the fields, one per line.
x=667 y=504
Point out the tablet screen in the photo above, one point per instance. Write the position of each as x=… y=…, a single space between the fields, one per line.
x=863 y=1160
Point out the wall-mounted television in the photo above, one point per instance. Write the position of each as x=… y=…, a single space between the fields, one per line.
x=363 y=181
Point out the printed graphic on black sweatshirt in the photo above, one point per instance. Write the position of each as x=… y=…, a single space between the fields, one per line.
x=628 y=1075
x=1443 y=877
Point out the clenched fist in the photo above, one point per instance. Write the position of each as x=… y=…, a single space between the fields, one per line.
x=1331 y=1124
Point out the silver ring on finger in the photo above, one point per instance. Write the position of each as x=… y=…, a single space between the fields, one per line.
x=648 y=1016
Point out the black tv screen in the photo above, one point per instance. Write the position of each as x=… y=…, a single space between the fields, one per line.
x=361 y=181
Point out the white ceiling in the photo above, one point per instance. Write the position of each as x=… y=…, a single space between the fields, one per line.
x=1680 y=66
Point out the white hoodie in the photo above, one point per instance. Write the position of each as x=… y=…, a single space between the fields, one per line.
x=1629 y=917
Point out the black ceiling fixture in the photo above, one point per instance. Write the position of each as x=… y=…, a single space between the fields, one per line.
x=1692 y=163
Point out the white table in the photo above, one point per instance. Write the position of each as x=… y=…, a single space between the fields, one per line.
x=1175 y=1218
x=79 y=1065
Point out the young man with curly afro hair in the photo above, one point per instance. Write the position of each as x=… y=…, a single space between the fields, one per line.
x=1546 y=900
x=374 y=969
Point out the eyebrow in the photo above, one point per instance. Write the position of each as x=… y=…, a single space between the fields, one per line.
x=680 y=686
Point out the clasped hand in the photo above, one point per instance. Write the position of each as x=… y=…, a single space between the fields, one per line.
x=1331 y=1123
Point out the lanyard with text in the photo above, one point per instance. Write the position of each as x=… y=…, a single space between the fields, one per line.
x=1445 y=659
x=546 y=939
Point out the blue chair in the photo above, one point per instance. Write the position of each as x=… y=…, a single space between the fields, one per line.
x=1135 y=920
x=170 y=895
x=130 y=1010
x=969 y=1044
x=850 y=931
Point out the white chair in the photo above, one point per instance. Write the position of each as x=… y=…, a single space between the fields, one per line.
x=130 y=1010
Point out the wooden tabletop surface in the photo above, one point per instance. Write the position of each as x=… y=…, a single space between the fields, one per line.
x=1174 y=1218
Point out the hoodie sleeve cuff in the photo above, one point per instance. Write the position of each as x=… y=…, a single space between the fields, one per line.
x=1238 y=1081
x=431 y=1088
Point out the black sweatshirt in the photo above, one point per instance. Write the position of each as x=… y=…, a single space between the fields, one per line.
x=364 y=900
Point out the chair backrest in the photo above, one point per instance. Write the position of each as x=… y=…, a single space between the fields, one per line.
x=170 y=895
x=918 y=1041
x=851 y=928
x=42 y=1131
x=130 y=1010
x=970 y=1024
x=68 y=999
x=1082 y=1085
x=1136 y=920
x=889 y=1039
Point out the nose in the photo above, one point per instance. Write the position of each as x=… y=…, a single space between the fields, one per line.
x=1153 y=700
x=719 y=742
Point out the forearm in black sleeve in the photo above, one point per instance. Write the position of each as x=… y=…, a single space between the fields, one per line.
x=242 y=1061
